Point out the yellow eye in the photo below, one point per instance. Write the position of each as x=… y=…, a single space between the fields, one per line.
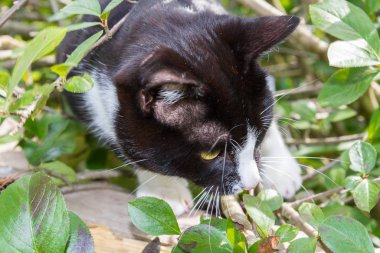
x=209 y=155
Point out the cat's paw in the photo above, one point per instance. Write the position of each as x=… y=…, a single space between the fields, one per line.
x=176 y=194
x=285 y=179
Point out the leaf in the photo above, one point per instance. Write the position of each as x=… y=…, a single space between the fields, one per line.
x=311 y=213
x=362 y=157
x=80 y=238
x=110 y=7
x=355 y=53
x=153 y=247
x=374 y=127
x=45 y=42
x=351 y=182
x=235 y=237
x=372 y=5
x=341 y=235
x=287 y=232
x=366 y=194
x=79 y=84
x=340 y=115
x=303 y=245
x=203 y=239
x=153 y=216
x=345 y=86
x=81 y=26
x=306 y=109
x=218 y=223
x=260 y=213
x=60 y=170
x=78 y=7
x=344 y=21
x=78 y=54
x=33 y=216
x=271 y=197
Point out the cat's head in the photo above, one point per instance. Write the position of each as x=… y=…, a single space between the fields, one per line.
x=193 y=101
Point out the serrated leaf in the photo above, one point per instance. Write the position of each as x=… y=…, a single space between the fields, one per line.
x=311 y=213
x=362 y=157
x=344 y=21
x=303 y=245
x=341 y=235
x=78 y=7
x=80 y=238
x=60 y=170
x=153 y=216
x=45 y=42
x=77 y=55
x=272 y=198
x=355 y=53
x=345 y=86
x=203 y=239
x=260 y=213
x=34 y=208
x=287 y=232
x=79 y=84
x=366 y=194
x=374 y=127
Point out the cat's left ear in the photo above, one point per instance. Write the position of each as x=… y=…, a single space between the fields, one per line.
x=249 y=38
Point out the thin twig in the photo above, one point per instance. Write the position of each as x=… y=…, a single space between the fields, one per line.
x=17 y=5
x=89 y=187
x=24 y=115
x=320 y=171
x=302 y=35
x=100 y=174
x=328 y=140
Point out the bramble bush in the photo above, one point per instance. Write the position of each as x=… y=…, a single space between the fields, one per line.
x=327 y=105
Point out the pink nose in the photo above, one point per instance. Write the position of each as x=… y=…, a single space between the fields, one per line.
x=248 y=188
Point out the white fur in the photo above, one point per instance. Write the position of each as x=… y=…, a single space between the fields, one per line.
x=209 y=5
x=171 y=189
x=102 y=104
x=247 y=167
x=284 y=173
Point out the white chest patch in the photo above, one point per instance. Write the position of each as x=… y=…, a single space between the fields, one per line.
x=102 y=104
x=247 y=167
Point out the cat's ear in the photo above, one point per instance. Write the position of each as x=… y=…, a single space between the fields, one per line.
x=249 y=38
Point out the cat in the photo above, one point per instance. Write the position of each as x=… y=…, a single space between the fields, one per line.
x=178 y=91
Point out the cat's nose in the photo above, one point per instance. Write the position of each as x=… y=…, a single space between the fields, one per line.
x=248 y=188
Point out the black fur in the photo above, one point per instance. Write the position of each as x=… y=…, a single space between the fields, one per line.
x=217 y=53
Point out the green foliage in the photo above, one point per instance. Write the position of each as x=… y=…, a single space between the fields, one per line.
x=303 y=245
x=29 y=201
x=153 y=216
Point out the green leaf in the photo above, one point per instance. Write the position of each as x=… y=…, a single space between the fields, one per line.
x=60 y=170
x=218 y=223
x=303 y=245
x=235 y=237
x=153 y=216
x=311 y=213
x=45 y=42
x=81 y=26
x=342 y=235
x=79 y=84
x=366 y=194
x=352 y=54
x=344 y=21
x=110 y=7
x=61 y=69
x=306 y=109
x=33 y=216
x=78 y=7
x=345 y=86
x=362 y=157
x=374 y=127
x=271 y=197
x=287 y=232
x=340 y=115
x=78 y=54
x=351 y=182
x=260 y=213
x=204 y=239
x=80 y=238
x=372 y=5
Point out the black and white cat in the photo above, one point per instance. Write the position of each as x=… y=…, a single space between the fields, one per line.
x=178 y=90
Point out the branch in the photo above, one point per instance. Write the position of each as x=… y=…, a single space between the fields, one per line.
x=88 y=187
x=328 y=140
x=320 y=171
x=24 y=115
x=100 y=174
x=301 y=35
x=17 y=5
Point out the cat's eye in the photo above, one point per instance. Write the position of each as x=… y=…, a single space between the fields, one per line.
x=209 y=155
